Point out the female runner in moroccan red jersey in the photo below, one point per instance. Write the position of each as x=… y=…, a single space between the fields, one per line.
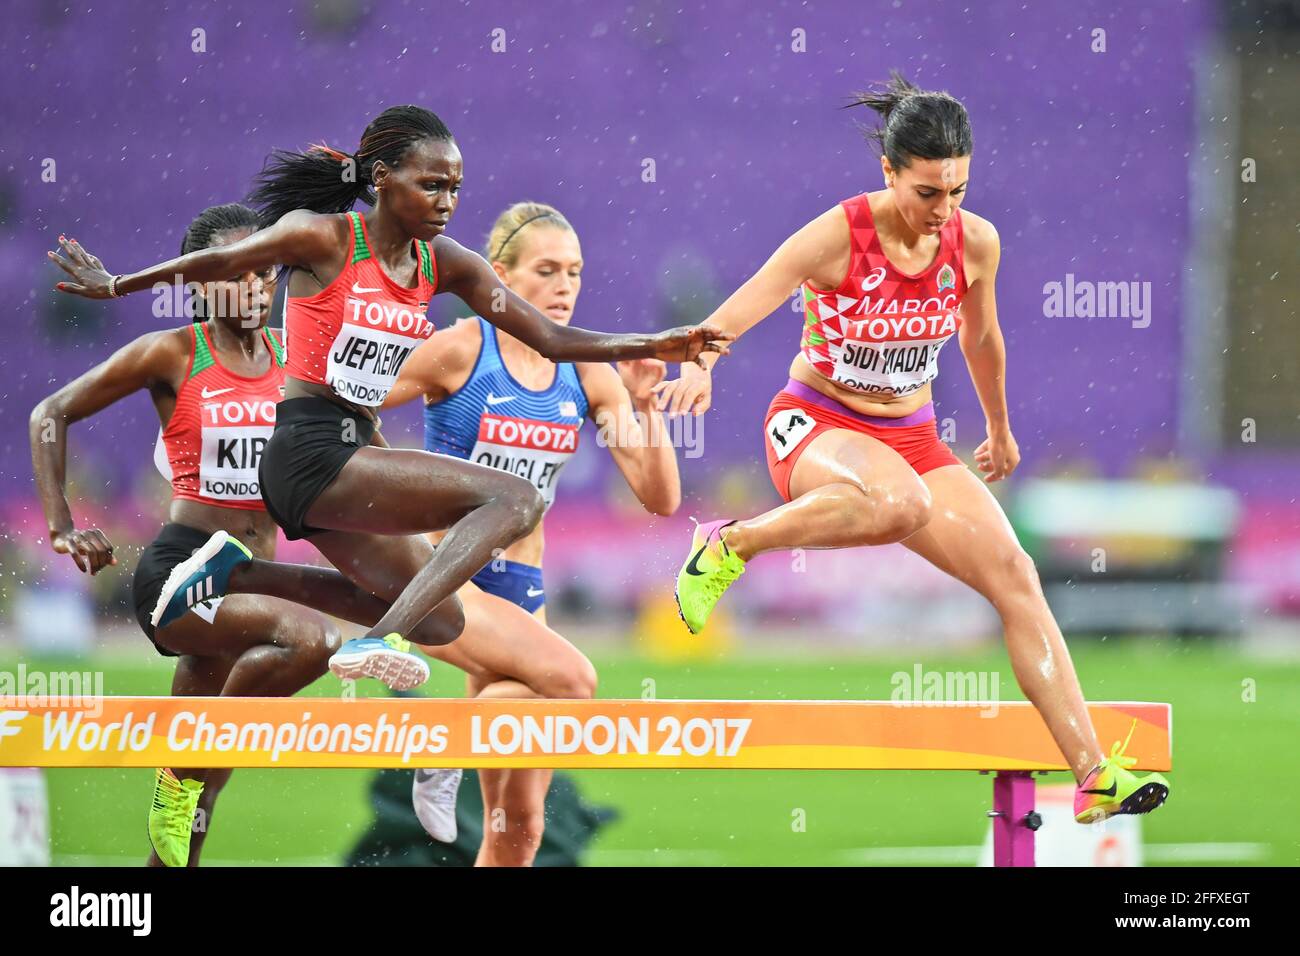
x=879 y=331
x=887 y=278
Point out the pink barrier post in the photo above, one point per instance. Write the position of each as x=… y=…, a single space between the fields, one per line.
x=1014 y=818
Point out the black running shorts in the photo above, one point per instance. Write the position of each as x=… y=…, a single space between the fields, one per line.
x=312 y=441
x=174 y=544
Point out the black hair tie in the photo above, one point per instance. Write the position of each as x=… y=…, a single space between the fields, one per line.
x=505 y=242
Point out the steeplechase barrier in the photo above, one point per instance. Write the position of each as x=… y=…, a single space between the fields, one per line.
x=1008 y=740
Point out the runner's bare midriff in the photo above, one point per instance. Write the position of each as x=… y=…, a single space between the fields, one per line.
x=881 y=404
x=256 y=529
x=297 y=388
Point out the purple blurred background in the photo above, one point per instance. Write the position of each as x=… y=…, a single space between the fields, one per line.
x=1083 y=160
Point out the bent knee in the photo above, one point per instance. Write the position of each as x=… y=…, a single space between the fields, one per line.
x=443 y=625
x=314 y=639
x=912 y=510
x=892 y=514
x=576 y=680
x=1017 y=574
x=524 y=506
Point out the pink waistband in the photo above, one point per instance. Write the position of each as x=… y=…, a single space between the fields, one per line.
x=813 y=397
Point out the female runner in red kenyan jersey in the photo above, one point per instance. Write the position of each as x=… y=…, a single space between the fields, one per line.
x=333 y=473
x=214 y=385
x=327 y=473
x=886 y=279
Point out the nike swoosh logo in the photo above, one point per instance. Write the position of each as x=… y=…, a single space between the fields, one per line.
x=424 y=776
x=1106 y=793
x=536 y=592
x=216 y=392
x=358 y=289
x=692 y=568
x=497 y=400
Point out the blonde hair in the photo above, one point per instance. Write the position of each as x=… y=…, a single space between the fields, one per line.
x=502 y=242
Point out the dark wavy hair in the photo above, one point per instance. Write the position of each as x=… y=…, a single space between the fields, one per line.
x=916 y=123
x=216 y=219
x=316 y=179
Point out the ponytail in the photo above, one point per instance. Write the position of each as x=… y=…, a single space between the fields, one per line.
x=325 y=180
x=916 y=123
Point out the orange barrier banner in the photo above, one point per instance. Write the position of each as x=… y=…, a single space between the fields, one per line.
x=693 y=734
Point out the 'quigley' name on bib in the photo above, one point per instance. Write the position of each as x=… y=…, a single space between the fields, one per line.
x=532 y=450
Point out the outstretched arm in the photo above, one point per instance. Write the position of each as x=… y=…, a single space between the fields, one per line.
x=622 y=404
x=470 y=277
x=985 y=351
x=145 y=362
x=300 y=238
x=818 y=251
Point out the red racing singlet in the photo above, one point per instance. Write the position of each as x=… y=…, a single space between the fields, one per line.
x=355 y=334
x=882 y=329
x=213 y=442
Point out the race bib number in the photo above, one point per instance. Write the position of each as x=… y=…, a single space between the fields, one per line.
x=364 y=363
x=228 y=463
x=374 y=341
x=787 y=429
x=896 y=367
x=532 y=450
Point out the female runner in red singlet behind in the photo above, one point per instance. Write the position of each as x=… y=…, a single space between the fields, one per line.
x=887 y=277
x=214 y=384
x=357 y=296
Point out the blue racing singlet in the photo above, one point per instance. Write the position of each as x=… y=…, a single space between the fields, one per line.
x=493 y=420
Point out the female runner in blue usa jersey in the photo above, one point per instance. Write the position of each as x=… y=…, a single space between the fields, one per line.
x=491 y=399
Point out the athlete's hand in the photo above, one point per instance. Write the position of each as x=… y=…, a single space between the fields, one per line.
x=998 y=455
x=88 y=273
x=692 y=393
x=90 y=549
x=640 y=376
x=686 y=344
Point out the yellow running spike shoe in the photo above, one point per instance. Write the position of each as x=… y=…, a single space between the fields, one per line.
x=708 y=572
x=171 y=816
x=1110 y=788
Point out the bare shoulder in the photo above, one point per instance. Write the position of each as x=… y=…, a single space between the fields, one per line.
x=831 y=227
x=155 y=357
x=322 y=232
x=458 y=343
x=823 y=249
x=983 y=247
x=598 y=378
x=165 y=349
x=452 y=258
